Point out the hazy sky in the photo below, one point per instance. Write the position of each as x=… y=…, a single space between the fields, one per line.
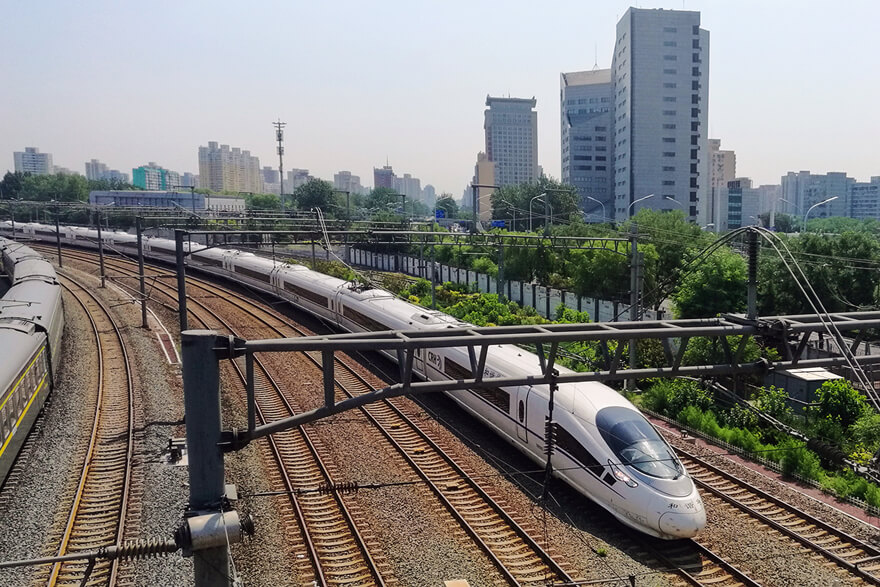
x=793 y=83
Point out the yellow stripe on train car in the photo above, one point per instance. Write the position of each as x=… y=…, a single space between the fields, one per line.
x=23 y=375
x=21 y=417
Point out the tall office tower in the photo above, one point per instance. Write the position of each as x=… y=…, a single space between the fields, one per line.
x=189 y=180
x=429 y=195
x=346 y=182
x=803 y=189
x=409 y=186
x=271 y=180
x=864 y=199
x=32 y=161
x=234 y=170
x=154 y=177
x=587 y=153
x=722 y=169
x=383 y=178
x=660 y=73
x=511 y=126
x=739 y=204
x=297 y=177
x=96 y=170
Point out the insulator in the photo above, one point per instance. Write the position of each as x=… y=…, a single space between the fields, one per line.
x=136 y=549
x=549 y=437
x=339 y=488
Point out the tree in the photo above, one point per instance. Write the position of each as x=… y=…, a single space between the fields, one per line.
x=262 y=202
x=840 y=403
x=675 y=239
x=563 y=202
x=717 y=285
x=447 y=203
x=11 y=185
x=315 y=193
x=783 y=222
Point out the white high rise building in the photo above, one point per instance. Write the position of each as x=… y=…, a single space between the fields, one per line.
x=32 y=161
x=232 y=170
x=346 y=182
x=660 y=74
x=722 y=169
x=511 y=126
x=96 y=170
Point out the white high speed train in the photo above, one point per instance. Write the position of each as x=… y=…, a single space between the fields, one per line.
x=605 y=448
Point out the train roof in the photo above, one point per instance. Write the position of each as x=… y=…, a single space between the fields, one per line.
x=31 y=269
x=17 y=347
x=29 y=302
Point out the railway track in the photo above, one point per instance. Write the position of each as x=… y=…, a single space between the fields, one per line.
x=97 y=510
x=859 y=559
x=519 y=558
x=510 y=546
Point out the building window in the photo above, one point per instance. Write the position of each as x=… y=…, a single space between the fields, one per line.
x=670 y=29
x=669 y=85
x=669 y=126
x=669 y=113
x=670 y=58
x=670 y=71
x=669 y=153
x=668 y=168
x=668 y=139
x=669 y=98
x=668 y=182
x=670 y=44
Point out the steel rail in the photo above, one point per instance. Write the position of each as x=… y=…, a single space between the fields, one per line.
x=93 y=460
x=540 y=552
x=869 y=553
x=302 y=518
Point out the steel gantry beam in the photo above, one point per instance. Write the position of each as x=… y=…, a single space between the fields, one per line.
x=674 y=334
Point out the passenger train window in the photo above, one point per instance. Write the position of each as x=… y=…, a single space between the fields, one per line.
x=565 y=441
x=636 y=443
x=521 y=412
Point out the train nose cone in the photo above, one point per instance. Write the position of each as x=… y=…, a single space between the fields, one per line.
x=682 y=525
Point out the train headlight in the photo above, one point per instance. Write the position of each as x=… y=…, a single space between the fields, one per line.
x=621 y=476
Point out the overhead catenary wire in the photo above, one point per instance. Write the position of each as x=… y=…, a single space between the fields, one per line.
x=809 y=293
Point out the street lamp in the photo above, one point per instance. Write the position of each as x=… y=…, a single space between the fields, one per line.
x=546 y=204
x=601 y=204
x=823 y=202
x=711 y=224
x=673 y=200
x=634 y=202
x=513 y=211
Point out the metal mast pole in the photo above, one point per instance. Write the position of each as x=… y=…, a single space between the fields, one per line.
x=279 y=135
x=140 y=246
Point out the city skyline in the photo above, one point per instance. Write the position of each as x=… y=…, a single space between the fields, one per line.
x=776 y=77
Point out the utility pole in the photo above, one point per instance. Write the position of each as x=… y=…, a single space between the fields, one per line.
x=279 y=136
x=753 y=274
x=635 y=287
x=143 y=290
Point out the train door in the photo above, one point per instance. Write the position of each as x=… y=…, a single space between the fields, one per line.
x=336 y=307
x=522 y=406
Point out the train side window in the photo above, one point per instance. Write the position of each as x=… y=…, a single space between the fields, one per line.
x=521 y=412
x=568 y=443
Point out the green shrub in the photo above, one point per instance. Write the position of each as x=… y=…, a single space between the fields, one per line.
x=773 y=401
x=741 y=417
x=795 y=458
x=656 y=398
x=840 y=403
x=689 y=393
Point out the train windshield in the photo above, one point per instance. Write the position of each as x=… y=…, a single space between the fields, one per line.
x=636 y=443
